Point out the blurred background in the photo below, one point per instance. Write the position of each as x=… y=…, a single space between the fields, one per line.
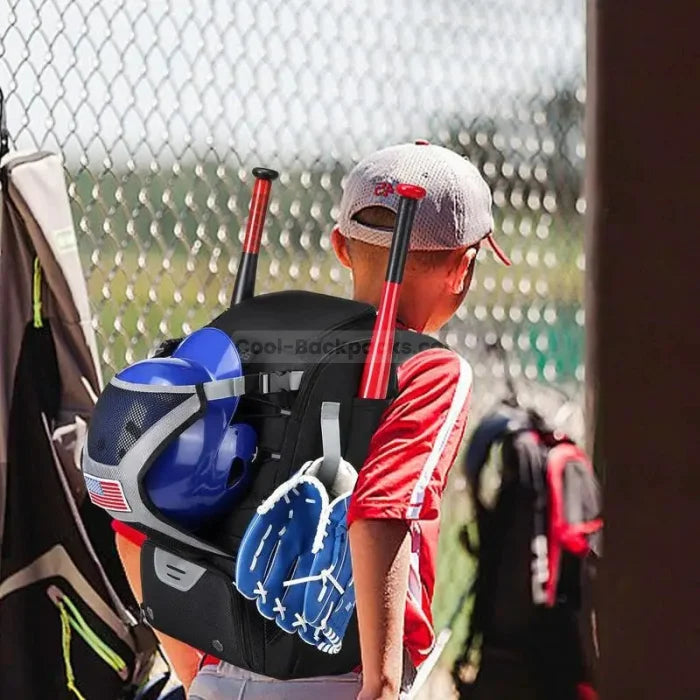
x=162 y=108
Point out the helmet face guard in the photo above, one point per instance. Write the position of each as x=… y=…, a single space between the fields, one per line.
x=160 y=451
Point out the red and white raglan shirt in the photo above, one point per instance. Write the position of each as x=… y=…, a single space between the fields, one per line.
x=405 y=474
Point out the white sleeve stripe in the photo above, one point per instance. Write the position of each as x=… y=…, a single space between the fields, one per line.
x=459 y=399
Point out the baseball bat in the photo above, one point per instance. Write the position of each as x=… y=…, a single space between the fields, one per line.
x=245 y=278
x=375 y=374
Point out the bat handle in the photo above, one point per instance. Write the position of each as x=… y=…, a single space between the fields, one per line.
x=245 y=278
x=375 y=374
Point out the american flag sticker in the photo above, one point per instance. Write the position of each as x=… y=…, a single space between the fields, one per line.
x=106 y=493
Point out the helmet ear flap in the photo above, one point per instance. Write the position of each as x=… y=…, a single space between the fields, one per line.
x=236 y=454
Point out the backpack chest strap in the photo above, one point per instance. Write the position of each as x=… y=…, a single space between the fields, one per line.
x=257 y=383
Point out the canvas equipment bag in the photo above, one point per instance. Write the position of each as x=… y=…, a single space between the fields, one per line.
x=538 y=542
x=65 y=621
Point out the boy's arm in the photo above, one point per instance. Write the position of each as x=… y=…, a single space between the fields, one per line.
x=184 y=659
x=380 y=562
x=401 y=482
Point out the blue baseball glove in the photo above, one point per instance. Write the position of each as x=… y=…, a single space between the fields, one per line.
x=294 y=559
x=329 y=599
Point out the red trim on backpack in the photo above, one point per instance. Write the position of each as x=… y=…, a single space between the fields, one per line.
x=586 y=691
x=209 y=660
x=563 y=534
x=134 y=536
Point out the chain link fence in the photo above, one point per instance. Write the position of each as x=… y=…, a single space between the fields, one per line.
x=162 y=108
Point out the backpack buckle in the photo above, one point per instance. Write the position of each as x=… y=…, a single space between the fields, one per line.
x=273 y=382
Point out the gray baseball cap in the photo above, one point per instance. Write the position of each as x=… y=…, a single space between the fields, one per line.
x=455 y=212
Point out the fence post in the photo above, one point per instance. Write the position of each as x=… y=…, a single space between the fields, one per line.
x=642 y=230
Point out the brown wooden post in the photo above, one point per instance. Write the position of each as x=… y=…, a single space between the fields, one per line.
x=643 y=238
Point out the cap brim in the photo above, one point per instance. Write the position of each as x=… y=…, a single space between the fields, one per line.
x=498 y=251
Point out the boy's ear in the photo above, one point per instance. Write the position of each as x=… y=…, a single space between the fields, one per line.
x=340 y=246
x=461 y=278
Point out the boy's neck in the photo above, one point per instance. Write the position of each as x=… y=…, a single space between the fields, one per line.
x=408 y=316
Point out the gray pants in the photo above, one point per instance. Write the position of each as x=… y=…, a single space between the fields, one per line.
x=227 y=682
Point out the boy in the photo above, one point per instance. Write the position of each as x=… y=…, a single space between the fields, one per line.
x=394 y=514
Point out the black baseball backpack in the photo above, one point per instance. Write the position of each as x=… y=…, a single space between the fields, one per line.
x=539 y=533
x=299 y=350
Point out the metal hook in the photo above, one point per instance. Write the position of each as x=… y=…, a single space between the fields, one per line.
x=4 y=135
x=497 y=348
x=564 y=412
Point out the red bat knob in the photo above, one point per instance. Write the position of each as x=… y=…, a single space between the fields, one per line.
x=411 y=191
x=265 y=173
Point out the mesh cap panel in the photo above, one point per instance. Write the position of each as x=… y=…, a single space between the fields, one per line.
x=455 y=212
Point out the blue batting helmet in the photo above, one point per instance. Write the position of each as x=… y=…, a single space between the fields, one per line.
x=161 y=436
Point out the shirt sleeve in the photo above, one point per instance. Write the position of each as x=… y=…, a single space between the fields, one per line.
x=411 y=452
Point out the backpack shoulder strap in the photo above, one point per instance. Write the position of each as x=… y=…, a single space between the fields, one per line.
x=574 y=508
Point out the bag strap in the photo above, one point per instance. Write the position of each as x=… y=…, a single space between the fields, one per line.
x=330 y=437
x=256 y=383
